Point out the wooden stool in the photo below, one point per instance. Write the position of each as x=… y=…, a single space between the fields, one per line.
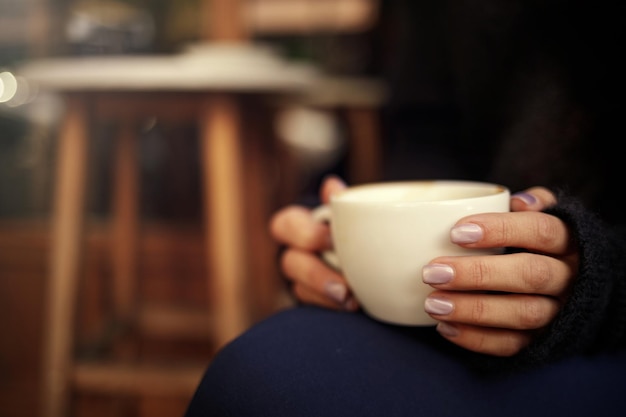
x=200 y=87
x=184 y=88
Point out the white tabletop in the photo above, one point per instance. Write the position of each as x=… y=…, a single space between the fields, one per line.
x=200 y=67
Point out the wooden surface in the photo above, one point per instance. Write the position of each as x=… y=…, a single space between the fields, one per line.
x=162 y=248
x=221 y=154
x=224 y=20
x=224 y=217
x=288 y=17
x=65 y=256
x=208 y=84
x=199 y=67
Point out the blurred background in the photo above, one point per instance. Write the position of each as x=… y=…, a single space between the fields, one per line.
x=199 y=119
x=343 y=41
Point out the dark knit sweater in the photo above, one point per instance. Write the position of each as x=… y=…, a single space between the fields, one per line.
x=593 y=318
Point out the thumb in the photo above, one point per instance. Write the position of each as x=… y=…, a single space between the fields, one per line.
x=331 y=185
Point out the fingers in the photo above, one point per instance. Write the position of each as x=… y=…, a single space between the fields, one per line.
x=533 y=199
x=330 y=186
x=530 y=230
x=500 y=325
x=523 y=273
x=510 y=311
x=492 y=304
x=295 y=227
x=315 y=282
x=496 y=304
x=490 y=341
x=309 y=296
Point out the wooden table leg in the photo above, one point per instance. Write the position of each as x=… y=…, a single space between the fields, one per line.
x=67 y=222
x=224 y=208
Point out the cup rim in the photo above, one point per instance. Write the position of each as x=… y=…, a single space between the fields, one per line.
x=498 y=190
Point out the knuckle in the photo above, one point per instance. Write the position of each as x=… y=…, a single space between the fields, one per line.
x=501 y=232
x=537 y=274
x=544 y=230
x=532 y=315
x=480 y=272
x=478 y=311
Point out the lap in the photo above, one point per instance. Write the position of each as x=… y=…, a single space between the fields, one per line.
x=315 y=362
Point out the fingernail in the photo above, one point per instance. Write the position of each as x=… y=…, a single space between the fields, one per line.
x=337 y=291
x=434 y=305
x=526 y=198
x=437 y=274
x=466 y=233
x=447 y=329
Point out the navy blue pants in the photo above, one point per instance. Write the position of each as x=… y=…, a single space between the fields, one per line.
x=314 y=362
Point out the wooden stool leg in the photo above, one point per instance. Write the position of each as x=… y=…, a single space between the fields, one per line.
x=125 y=222
x=65 y=255
x=224 y=208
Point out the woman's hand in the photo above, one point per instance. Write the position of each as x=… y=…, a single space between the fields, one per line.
x=497 y=304
x=313 y=281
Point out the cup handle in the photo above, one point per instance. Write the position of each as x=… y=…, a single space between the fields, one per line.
x=323 y=214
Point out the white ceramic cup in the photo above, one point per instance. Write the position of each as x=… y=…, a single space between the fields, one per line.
x=384 y=233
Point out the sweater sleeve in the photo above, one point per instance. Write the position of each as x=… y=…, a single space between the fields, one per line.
x=593 y=319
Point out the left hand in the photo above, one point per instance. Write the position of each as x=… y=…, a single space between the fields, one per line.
x=497 y=304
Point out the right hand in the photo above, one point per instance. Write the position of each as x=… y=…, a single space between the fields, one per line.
x=313 y=281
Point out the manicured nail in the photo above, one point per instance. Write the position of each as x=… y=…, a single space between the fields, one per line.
x=434 y=305
x=337 y=291
x=447 y=329
x=437 y=274
x=526 y=198
x=466 y=233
